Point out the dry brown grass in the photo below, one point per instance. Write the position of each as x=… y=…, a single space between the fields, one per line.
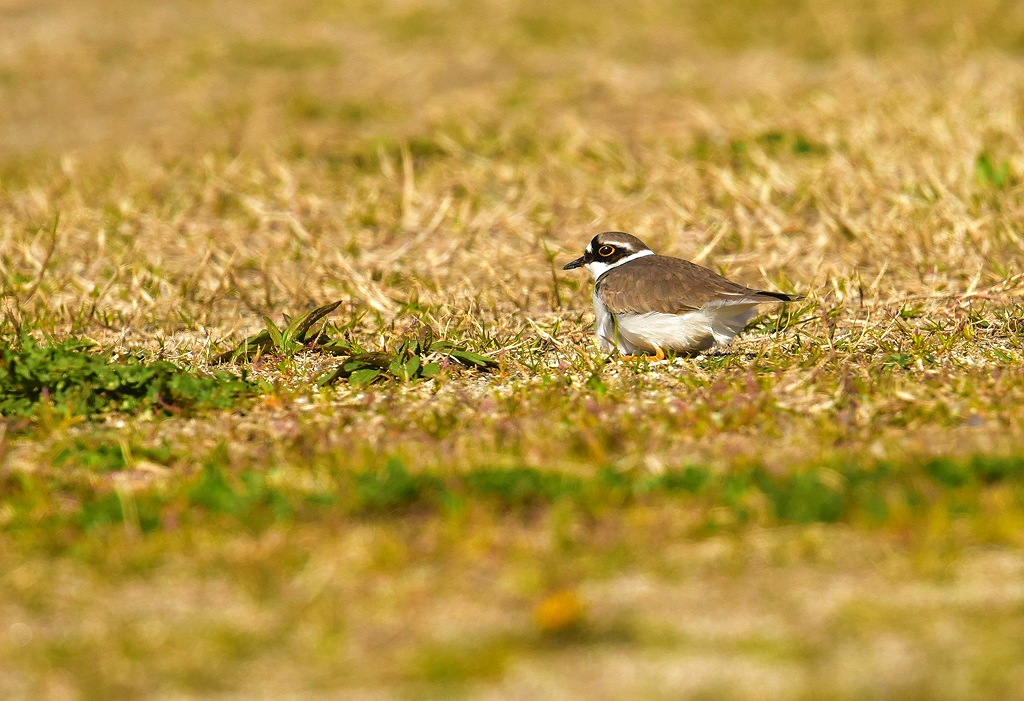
x=172 y=172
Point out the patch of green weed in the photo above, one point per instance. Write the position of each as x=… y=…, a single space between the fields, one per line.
x=522 y=486
x=250 y=497
x=72 y=380
x=393 y=489
x=413 y=358
x=419 y=357
x=992 y=172
x=306 y=331
x=101 y=454
x=754 y=495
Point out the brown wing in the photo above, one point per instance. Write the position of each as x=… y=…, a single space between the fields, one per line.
x=672 y=286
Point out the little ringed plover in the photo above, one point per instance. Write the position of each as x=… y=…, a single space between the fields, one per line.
x=649 y=304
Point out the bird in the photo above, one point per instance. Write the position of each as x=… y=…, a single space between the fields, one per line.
x=649 y=304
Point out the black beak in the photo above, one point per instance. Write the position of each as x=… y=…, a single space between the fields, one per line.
x=576 y=263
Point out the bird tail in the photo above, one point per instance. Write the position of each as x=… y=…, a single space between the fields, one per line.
x=780 y=296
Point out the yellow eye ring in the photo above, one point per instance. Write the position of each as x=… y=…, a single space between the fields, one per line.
x=605 y=251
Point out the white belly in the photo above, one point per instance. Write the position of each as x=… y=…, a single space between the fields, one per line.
x=682 y=333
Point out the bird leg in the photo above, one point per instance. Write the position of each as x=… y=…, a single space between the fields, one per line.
x=659 y=353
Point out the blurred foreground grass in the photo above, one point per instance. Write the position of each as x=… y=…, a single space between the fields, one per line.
x=833 y=507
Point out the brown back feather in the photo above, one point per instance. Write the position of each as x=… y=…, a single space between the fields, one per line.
x=672 y=286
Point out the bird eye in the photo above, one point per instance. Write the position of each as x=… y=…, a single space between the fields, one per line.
x=605 y=251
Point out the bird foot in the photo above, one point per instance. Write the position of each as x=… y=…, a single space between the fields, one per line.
x=659 y=355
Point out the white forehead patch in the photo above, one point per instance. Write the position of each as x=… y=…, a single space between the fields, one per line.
x=625 y=245
x=617 y=244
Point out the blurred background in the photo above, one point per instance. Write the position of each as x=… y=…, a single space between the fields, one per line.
x=179 y=76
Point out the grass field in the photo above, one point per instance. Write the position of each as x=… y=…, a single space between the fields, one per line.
x=832 y=507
